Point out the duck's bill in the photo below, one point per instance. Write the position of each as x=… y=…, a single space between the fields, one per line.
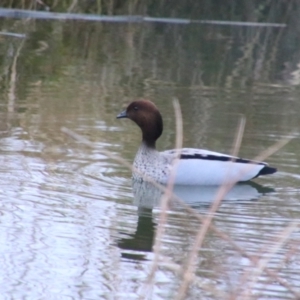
x=122 y=114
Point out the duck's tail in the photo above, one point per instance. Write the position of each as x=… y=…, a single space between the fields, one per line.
x=266 y=170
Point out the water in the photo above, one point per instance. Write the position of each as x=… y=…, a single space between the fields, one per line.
x=73 y=227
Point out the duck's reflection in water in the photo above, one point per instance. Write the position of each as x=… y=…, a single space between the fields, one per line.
x=147 y=196
x=142 y=239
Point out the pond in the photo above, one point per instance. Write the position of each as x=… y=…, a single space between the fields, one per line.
x=74 y=226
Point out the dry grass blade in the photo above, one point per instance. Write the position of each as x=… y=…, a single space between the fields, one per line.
x=204 y=285
x=189 y=269
x=224 y=189
x=168 y=191
x=117 y=158
x=253 y=276
x=252 y=258
x=274 y=148
x=165 y=201
x=188 y=273
x=239 y=136
x=204 y=221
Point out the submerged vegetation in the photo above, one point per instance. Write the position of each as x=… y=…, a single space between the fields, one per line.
x=256 y=53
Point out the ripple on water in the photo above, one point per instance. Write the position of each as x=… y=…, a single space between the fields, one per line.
x=252 y=226
x=58 y=217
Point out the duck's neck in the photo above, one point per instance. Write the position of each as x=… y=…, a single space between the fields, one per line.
x=145 y=149
x=149 y=143
x=152 y=129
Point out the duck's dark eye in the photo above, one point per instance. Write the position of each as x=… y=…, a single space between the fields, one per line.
x=136 y=108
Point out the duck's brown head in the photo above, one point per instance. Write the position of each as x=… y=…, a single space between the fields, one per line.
x=146 y=115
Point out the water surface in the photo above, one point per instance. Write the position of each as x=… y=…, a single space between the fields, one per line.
x=73 y=226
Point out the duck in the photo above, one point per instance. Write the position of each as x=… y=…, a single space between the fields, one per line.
x=193 y=166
